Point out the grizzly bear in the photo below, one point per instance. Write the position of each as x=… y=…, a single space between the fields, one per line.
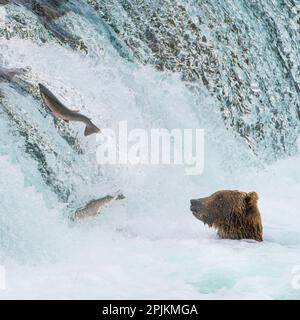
x=234 y=214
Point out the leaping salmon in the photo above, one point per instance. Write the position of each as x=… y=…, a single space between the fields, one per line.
x=62 y=112
x=95 y=206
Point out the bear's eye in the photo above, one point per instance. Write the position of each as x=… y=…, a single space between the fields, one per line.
x=219 y=202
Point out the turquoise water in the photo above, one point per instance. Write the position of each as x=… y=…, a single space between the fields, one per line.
x=149 y=246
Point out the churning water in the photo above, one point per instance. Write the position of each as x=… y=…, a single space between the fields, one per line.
x=107 y=59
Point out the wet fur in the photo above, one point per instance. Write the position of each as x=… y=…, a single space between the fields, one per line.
x=234 y=214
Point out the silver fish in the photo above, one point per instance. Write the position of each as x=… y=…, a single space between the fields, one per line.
x=95 y=206
x=62 y=112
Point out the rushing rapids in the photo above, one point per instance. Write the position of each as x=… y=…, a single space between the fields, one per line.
x=229 y=67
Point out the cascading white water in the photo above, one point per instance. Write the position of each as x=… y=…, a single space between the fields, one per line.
x=149 y=246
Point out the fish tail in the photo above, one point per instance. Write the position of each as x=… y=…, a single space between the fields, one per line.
x=120 y=196
x=90 y=129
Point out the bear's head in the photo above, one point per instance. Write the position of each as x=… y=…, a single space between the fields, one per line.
x=234 y=214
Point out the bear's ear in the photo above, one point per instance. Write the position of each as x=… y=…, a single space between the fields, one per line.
x=251 y=198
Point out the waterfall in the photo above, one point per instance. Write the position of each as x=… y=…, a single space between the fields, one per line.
x=228 y=67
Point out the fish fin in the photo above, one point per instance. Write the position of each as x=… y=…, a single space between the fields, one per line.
x=90 y=129
x=120 y=196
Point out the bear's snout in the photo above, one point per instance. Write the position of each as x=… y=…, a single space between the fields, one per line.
x=194 y=204
x=197 y=208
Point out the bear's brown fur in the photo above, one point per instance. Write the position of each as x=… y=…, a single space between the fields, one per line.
x=234 y=214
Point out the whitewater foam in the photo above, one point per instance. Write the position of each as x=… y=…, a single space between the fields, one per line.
x=151 y=246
